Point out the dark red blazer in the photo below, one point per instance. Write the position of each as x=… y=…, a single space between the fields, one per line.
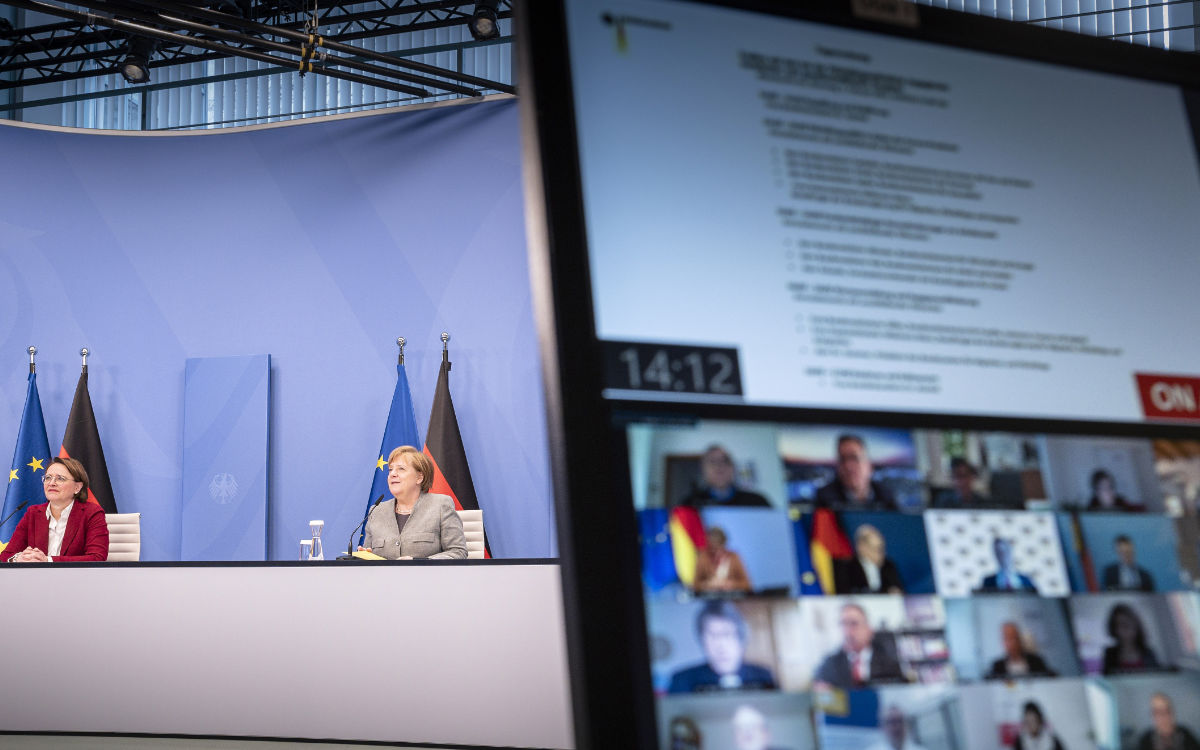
x=85 y=540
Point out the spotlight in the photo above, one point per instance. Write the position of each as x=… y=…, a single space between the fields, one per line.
x=226 y=6
x=135 y=66
x=5 y=26
x=483 y=23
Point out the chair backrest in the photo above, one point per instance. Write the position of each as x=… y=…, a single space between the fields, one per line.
x=124 y=536
x=472 y=521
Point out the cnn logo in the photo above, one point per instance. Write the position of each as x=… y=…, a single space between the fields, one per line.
x=1172 y=397
x=1169 y=396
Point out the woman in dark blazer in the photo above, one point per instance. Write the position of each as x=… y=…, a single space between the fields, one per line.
x=65 y=528
x=1130 y=653
x=414 y=523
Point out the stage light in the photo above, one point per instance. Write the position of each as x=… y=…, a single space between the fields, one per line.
x=135 y=66
x=483 y=23
x=226 y=6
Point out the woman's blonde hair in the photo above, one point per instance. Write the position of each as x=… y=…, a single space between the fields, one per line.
x=417 y=461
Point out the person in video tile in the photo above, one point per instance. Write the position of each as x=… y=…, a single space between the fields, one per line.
x=719 y=568
x=1034 y=734
x=717 y=486
x=962 y=494
x=685 y=735
x=863 y=657
x=1006 y=577
x=750 y=730
x=852 y=488
x=1130 y=653
x=1105 y=496
x=1166 y=734
x=894 y=724
x=870 y=571
x=1126 y=575
x=1017 y=660
x=722 y=633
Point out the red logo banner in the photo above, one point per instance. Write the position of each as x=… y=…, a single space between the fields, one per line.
x=1169 y=396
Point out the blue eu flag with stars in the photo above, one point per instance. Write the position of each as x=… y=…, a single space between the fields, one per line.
x=401 y=430
x=30 y=458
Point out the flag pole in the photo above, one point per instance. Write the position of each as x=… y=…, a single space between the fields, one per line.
x=445 y=349
x=32 y=367
x=83 y=353
x=400 y=342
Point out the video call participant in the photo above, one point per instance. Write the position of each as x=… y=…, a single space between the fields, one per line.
x=65 y=528
x=962 y=493
x=870 y=571
x=1131 y=652
x=719 y=568
x=1105 y=497
x=1166 y=734
x=895 y=731
x=685 y=735
x=1034 y=735
x=1006 y=577
x=717 y=487
x=1126 y=574
x=1017 y=660
x=852 y=488
x=750 y=730
x=722 y=634
x=862 y=658
x=414 y=523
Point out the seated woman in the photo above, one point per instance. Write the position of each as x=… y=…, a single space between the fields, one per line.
x=1105 y=495
x=719 y=568
x=414 y=523
x=1130 y=652
x=65 y=528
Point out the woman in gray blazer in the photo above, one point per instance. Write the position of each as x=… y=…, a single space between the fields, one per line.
x=414 y=523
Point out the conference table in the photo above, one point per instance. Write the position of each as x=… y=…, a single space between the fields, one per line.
x=463 y=652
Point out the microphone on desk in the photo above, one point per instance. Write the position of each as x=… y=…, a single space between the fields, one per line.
x=350 y=544
x=16 y=510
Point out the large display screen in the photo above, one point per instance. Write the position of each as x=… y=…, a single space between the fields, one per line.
x=888 y=322
x=788 y=213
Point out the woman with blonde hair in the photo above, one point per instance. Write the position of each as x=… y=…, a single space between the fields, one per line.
x=415 y=523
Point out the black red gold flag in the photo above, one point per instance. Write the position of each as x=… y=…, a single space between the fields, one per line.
x=82 y=443
x=444 y=447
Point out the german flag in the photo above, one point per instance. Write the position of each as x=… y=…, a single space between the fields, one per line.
x=444 y=447
x=829 y=543
x=687 y=539
x=82 y=443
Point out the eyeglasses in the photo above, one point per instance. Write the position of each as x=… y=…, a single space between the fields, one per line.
x=56 y=479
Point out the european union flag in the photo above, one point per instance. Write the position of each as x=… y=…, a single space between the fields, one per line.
x=658 y=562
x=29 y=462
x=401 y=430
x=810 y=583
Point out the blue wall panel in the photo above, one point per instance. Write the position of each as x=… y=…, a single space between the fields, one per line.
x=318 y=242
x=226 y=436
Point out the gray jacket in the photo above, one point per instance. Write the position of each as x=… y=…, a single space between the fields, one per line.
x=433 y=530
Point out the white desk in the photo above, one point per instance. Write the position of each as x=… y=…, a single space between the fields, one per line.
x=460 y=654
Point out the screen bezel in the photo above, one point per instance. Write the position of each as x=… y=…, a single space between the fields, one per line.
x=608 y=650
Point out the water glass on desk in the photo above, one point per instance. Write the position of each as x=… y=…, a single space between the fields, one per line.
x=318 y=550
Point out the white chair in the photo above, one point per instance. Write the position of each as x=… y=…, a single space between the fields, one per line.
x=472 y=521
x=124 y=536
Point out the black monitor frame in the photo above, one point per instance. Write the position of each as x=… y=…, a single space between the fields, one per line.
x=602 y=588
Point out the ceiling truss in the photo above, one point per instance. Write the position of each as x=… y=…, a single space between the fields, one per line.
x=92 y=38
